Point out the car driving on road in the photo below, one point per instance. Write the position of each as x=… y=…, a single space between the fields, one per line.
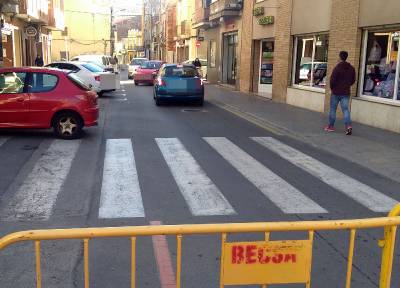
x=147 y=72
x=178 y=82
x=43 y=98
x=135 y=65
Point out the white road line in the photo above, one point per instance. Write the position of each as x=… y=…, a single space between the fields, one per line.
x=120 y=192
x=281 y=193
x=200 y=193
x=3 y=140
x=37 y=195
x=367 y=196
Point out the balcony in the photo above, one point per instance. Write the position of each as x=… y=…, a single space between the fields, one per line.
x=186 y=29
x=56 y=15
x=34 y=11
x=225 y=8
x=200 y=19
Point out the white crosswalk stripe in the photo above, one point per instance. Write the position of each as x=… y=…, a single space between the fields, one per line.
x=120 y=192
x=365 y=195
x=3 y=140
x=280 y=192
x=37 y=195
x=200 y=193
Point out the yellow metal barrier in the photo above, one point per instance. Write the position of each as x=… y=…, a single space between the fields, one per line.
x=256 y=252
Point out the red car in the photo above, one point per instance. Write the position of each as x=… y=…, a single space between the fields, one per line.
x=46 y=98
x=147 y=72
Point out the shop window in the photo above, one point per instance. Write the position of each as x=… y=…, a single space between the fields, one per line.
x=267 y=62
x=381 y=65
x=311 y=54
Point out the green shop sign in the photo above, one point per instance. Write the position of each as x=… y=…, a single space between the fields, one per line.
x=258 y=11
x=267 y=20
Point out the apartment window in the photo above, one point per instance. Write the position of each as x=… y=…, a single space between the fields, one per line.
x=381 y=65
x=311 y=58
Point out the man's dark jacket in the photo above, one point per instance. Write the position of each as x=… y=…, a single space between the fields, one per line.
x=343 y=77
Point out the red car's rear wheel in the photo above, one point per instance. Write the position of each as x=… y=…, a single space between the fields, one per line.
x=68 y=125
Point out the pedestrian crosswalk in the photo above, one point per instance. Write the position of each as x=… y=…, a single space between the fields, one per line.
x=121 y=191
x=365 y=195
x=201 y=194
x=280 y=192
x=37 y=194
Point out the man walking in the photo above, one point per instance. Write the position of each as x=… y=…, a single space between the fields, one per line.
x=343 y=77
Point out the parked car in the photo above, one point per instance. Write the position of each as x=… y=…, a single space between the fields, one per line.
x=104 y=60
x=178 y=82
x=203 y=66
x=135 y=65
x=147 y=72
x=305 y=69
x=43 y=98
x=92 y=74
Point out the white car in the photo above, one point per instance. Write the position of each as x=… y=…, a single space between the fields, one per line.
x=90 y=73
x=135 y=65
x=104 y=60
x=203 y=66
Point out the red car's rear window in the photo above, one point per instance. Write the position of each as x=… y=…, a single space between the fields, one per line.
x=78 y=82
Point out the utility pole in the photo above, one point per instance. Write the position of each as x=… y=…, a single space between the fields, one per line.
x=112 y=31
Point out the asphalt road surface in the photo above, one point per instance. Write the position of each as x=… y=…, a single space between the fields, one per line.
x=178 y=164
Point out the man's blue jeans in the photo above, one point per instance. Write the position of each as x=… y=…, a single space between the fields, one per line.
x=344 y=104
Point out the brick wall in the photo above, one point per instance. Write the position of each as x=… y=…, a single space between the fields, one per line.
x=246 y=49
x=344 y=34
x=256 y=64
x=283 y=50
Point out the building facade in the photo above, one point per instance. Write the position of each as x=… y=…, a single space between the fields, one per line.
x=28 y=28
x=285 y=50
x=219 y=27
x=74 y=40
x=309 y=36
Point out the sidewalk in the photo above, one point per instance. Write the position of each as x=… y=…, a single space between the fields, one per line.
x=373 y=148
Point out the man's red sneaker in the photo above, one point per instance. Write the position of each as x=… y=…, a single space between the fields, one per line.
x=329 y=129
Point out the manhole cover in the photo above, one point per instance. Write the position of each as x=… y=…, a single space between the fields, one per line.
x=194 y=110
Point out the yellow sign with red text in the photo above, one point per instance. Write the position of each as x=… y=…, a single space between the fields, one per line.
x=270 y=262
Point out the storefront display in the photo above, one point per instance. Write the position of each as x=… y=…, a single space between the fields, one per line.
x=267 y=62
x=381 y=64
x=311 y=54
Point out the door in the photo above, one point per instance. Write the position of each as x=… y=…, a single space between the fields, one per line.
x=266 y=68
x=14 y=107
x=230 y=59
x=42 y=99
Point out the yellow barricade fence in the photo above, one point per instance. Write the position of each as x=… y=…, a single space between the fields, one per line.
x=242 y=263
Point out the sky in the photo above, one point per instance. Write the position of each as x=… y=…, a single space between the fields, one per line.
x=131 y=6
